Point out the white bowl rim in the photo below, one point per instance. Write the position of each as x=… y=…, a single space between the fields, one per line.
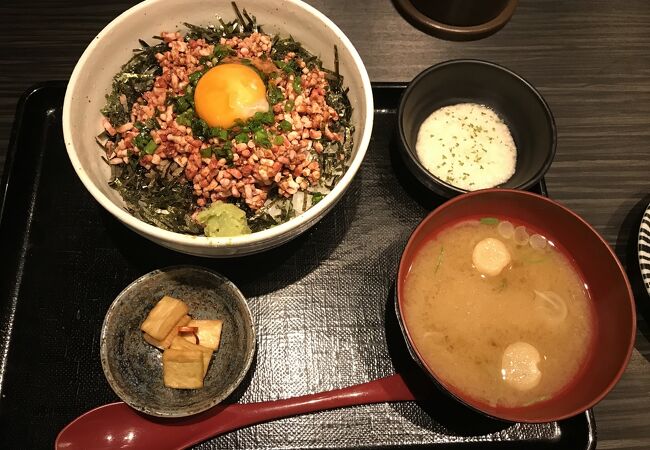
x=198 y=241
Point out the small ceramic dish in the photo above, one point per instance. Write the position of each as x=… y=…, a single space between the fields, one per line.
x=512 y=98
x=644 y=249
x=133 y=368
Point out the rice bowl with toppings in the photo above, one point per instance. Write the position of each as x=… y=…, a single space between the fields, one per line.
x=225 y=114
x=94 y=76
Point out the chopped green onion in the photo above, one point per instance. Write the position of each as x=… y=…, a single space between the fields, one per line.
x=261 y=137
x=316 y=197
x=533 y=260
x=150 y=148
x=264 y=117
x=296 y=84
x=141 y=140
x=286 y=67
x=221 y=51
x=489 y=220
x=206 y=152
x=182 y=104
x=285 y=125
x=278 y=140
x=228 y=148
x=289 y=105
x=194 y=77
x=186 y=118
x=151 y=124
x=200 y=128
x=440 y=255
x=225 y=152
x=241 y=137
x=219 y=133
x=274 y=95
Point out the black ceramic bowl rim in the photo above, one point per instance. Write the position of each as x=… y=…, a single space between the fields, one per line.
x=412 y=155
x=216 y=400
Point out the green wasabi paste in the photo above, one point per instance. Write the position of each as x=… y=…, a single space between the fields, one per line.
x=223 y=219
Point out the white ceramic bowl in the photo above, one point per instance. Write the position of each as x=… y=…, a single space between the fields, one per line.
x=112 y=47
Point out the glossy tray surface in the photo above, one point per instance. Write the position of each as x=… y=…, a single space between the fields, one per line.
x=322 y=305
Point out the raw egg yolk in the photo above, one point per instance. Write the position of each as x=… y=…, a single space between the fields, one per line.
x=229 y=92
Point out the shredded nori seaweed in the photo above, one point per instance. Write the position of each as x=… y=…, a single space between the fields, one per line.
x=282 y=46
x=244 y=25
x=161 y=196
x=335 y=157
x=134 y=78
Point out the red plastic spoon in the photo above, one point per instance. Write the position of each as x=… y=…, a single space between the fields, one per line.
x=116 y=425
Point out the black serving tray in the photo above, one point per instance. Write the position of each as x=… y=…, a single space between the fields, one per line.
x=322 y=305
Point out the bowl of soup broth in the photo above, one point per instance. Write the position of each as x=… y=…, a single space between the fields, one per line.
x=515 y=306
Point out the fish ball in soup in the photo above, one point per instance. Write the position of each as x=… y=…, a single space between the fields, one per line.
x=490 y=256
x=519 y=366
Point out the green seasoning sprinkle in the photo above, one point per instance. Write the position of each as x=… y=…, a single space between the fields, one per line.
x=218 y=133
x=186 y=118
x=194 y=77
x=264 y=117
x=200 y=128
x=141 y=140
x=489 y=221
x=262 y=138
x=286 y=67
x=274 y=95
x=440 y=255
x=501 y=287
x=285 y=125
x=221 y=51
x=241 y=137
x=296 y=85
x=225 y=152
x=182 y=104
x=150 y=148
x=533 y=260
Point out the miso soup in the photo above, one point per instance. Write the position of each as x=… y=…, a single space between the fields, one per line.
x=498 y=312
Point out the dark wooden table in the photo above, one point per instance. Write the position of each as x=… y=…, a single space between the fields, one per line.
x=589 y=58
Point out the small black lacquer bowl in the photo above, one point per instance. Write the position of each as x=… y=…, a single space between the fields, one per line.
x=517 y=103
x=133 y=368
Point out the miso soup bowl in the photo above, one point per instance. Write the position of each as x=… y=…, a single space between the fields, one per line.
x=613 y=302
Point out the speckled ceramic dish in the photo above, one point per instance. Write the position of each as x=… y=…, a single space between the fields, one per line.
x=133 y=368
x=92 y=77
